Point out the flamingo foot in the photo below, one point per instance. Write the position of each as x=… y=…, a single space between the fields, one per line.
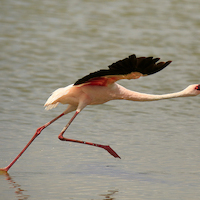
x=110 y=150
x=3 y=170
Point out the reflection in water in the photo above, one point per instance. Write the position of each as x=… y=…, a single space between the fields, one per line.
x=109 y=195
x=18 y=191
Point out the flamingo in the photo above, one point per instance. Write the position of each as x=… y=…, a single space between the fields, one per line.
x=100 y=87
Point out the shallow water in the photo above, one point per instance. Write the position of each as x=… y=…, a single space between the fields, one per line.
x=50 y=44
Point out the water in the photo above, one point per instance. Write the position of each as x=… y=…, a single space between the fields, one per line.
x=50 y=44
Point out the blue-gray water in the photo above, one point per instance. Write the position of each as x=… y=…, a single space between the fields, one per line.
x=50 y=44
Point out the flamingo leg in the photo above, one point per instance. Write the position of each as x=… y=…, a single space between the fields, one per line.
x=106 y=147
x=38 y=131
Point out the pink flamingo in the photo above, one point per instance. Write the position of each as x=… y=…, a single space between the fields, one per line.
x=100 y=87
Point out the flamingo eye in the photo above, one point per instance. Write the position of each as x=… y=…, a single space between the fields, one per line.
x=197 y=87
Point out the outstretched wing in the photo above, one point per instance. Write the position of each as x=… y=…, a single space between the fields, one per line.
x=128 y=68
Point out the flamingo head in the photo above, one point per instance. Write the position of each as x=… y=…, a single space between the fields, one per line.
x=197 y=87
x=192 y=90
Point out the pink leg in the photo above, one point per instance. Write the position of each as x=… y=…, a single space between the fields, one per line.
x=106 y=147
x=38 y=131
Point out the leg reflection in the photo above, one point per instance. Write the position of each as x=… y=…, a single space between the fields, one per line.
x=18 y=190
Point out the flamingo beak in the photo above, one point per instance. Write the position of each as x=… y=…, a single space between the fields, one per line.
x=197 y=87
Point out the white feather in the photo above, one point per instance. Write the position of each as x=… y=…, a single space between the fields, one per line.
x=53 y=100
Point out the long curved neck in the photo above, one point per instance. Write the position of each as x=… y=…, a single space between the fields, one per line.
x=136 y=96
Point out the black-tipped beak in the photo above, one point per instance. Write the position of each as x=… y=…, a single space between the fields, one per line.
x=197 y=87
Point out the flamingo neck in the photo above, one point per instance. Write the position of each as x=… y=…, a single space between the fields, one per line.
x=136 y=96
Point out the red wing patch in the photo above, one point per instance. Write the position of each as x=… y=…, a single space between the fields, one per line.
x=102 y=81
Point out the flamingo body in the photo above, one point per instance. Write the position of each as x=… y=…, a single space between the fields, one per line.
x=73 y=95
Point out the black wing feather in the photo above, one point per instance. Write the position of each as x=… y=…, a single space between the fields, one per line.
x=144 y=65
